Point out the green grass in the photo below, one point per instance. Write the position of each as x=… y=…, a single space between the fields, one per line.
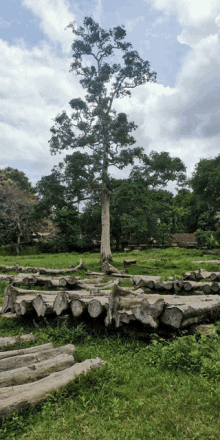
x=134 y=396
x=150 y=387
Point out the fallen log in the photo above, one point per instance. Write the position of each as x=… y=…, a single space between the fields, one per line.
x=145 y=281
x=21 y=351
x=21 y=396
x=109 y=269
x=23 y=304
x=88 y=272
x=126 y=262
x=40 y=270
x=61 y=303
x=190 y=285
x=44 y=304
x=97 y=305
x=133 y=305
x=11 y=294
x=94 y=305
x=13 y=362
x=35 y=371
x=192 y=311
x=200 y=274
x=10 y=340
x=215 y=276
x=207 y=261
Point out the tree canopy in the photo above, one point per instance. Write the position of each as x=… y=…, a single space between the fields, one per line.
x=104 y=133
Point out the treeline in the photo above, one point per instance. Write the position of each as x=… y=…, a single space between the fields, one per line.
x=142 y=210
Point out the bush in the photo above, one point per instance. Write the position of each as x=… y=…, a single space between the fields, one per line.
x=205 y=238
x=187 y=354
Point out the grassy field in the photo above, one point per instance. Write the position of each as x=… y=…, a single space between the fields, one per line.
x=150 y=387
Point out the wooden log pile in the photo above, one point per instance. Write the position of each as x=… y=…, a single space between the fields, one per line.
x=27 y=375
x=147 y=301
x=40 y=270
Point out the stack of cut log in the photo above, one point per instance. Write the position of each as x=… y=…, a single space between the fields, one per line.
x=114 y=304
x=87 y=295
x=27 y=375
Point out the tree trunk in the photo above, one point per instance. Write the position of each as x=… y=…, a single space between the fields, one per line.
x=21 y=396
x=35 y=371
x=105 y=237
x=13 y=362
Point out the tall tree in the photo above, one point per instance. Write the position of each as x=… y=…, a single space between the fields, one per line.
x=108 y=139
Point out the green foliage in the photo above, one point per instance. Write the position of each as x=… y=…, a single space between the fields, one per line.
x=205 y=238
x=189 y=354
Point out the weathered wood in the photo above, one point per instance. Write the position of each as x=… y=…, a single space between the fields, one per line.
x=60 y=304
x=215 y=287
x=44 y=304
x=109 y=269
x=140 y=306
x=21 y=396
x=10 y=340
x=41 y=270
x=143 y=280
x=190 y=285
x=21 y=351
x=13 y=362
x=77 y=307
x=88 y=272
x=23 y=304
x=126 y=262
x=190 y=311
x=97 y=305
x=35 y=371
x=215 y=276
x=207 y=288
x=94 y=305
x=207 y=261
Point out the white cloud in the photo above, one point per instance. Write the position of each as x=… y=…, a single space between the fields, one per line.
x=130 y=24
x=54 y=16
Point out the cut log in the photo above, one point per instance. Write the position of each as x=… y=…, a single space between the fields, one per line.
x=60 y=304
x=215 y=287
x=139 y=305
x=192 y=311
x=10 y=340
x=192 y=285
x=13 y=362
x=215 y=276
x=77 y=307
x=207 y=288
x=145 y=281
x=11 y=294
x=23 y=304
x=94 y=305
x=21 y=351
x=35 y=371
x=44 y=304
x=97 y=305
x=126 y=262
x=207 y=261
x=40 y=270
x=95 y=273
x=109 y=269
x=21 y=396
x=203 y=274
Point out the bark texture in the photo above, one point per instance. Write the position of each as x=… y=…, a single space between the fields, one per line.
x=21 y=396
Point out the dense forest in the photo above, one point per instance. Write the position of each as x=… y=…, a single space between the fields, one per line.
x=59 y=215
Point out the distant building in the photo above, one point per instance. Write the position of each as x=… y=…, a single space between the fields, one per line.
x=184 y=239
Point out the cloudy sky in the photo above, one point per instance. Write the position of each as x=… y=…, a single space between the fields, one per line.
x=180 y=113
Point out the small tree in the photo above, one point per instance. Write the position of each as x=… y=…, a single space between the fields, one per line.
x=15 y=222
x=108 y=139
